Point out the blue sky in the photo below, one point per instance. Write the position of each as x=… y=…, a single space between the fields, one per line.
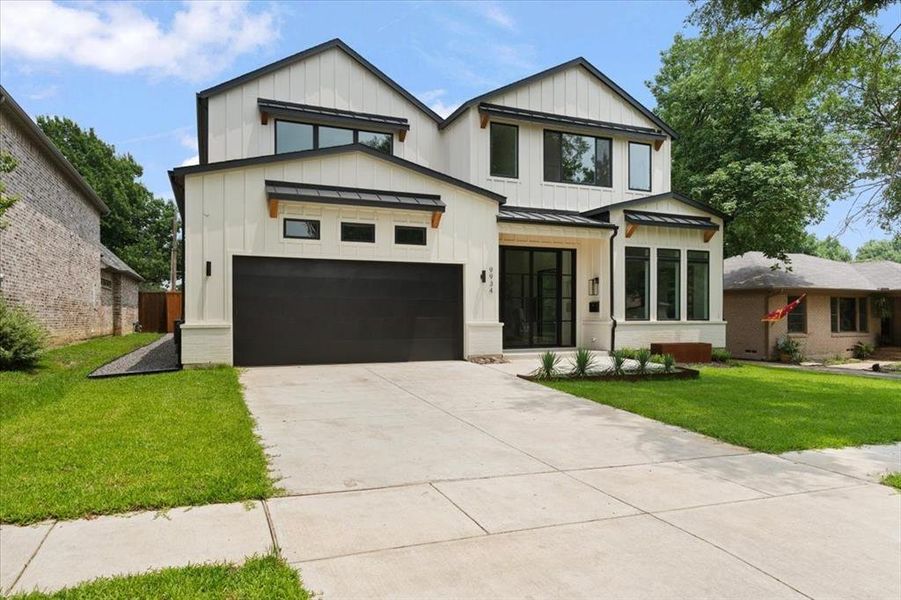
x=131 y=70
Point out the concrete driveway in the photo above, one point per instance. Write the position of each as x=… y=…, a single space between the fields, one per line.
x=450 y=479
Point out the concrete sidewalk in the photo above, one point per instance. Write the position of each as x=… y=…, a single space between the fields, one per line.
x=451 y=479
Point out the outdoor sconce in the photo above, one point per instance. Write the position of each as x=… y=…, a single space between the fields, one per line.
x=487 y=276
x=594 y=286
x=209 y=268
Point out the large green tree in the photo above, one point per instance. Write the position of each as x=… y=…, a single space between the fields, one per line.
x=829 y=247
x=833 y=52
x=880 y=250
x=773 y=165
x=138 y=227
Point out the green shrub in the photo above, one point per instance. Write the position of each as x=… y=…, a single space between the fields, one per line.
x=643 y=357
x=862 y=350
x=657 y=359
x=549 y=367
x=631 y=353
x=619 y=362
x=21 y=338
x=583 y=363
x=669 y=363
x=790 y=347
x=721 y=355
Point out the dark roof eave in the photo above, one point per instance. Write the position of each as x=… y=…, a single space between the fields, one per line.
x=580 y=61
x=534 y=116
x=178 y=173
x=339 y=195
x=674 y=195
x=322 y=114
x=598 y=225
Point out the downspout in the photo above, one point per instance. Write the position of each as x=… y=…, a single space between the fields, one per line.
x=612 y=318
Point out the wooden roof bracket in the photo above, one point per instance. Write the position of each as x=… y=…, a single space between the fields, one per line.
x=436 y=219
x=402 y=135
x=264 y=117
x=708 y=234
x=658 y=144
x=273 y=208
x=484 y=120
x=630 y=229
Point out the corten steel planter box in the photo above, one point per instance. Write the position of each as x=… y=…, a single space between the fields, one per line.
x=685 y=352
x=678 y=373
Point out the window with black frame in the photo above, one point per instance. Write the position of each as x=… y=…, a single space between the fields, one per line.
x=698 y=285
x=504 y=142
x=848 y=315
x=579 y=159
x=301 y=229
x=639 y=167
x=409 y=236
x=797 y=319
x=638 y=283
x=668 y=290
x=358 y=232
x=293 y=137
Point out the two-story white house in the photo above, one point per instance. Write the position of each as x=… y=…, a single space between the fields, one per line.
x=335 y=218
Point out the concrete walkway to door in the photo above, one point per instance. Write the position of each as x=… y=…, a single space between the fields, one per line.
x=446 y=480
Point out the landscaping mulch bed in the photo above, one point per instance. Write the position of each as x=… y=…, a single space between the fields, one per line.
x=678 y=373
x=160 y=356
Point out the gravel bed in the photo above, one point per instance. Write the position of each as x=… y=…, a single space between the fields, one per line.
x=152 y=358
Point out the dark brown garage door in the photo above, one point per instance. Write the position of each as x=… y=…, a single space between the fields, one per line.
x=290 y=311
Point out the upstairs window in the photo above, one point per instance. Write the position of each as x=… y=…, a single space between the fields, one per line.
x=580 y=159
x=639 y=167
x=668 y=289
x=358 y=232
x=638 y=283
x=409 y=236
x=797 y=319
x=504 y=150
x=293 y=137
x=301 y=229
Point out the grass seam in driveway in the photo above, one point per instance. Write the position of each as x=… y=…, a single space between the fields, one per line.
x=75 y=447
x=763 y=408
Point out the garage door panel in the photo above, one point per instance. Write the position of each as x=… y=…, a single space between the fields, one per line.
x=308 y=311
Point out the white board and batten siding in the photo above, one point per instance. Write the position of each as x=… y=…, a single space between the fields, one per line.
x=331 y=79
x=228 y=216
x=573 y=92
x=643 y=333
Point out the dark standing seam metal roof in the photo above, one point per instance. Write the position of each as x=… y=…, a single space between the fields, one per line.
x=176 y=176
x=562 y=67
x=534 y=216
x=50 y=148
x=324 y=194
x=644 y=199
x=322 y=114
x=535 y=116
x=668 y=220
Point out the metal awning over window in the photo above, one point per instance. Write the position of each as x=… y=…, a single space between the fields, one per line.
x=534 y=216
x=309 y=113
x=279 y=191
x=487 y=111
x=634 y=218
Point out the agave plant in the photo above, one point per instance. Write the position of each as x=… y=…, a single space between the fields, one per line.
x=669 y=363
x=643 y=357
x=619 y=362
x=549 y=367
x=582 y=363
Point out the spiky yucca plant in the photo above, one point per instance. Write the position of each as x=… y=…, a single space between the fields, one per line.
x=583 y=363
x=549 y=367
x=643 y=357
x=619 y=362
x=669 y=363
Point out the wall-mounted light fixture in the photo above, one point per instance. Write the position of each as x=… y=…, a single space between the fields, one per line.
x=594 y=285
x=209 y=268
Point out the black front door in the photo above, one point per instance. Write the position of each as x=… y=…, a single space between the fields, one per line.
x=538 y=289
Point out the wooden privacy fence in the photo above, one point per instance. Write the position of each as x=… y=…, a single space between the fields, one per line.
x=158 y=311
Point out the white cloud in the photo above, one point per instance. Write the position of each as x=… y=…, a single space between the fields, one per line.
x=444 y=109
x=430 y=95
x=497 y=15
x=193 y=160
x=43 y=93
x=435 y=101
x=202 y=39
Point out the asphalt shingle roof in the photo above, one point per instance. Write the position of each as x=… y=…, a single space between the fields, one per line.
x=753 y=270
x=112 y=262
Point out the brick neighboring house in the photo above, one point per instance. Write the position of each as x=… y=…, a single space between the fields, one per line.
x=840 y=309
x=51 y=260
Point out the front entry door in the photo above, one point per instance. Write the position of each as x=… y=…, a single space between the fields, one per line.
x=537 y=297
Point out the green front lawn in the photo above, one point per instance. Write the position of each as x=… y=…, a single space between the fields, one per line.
x=893 y=479
x=74 y=447
x=263 y=578
x=763 y=408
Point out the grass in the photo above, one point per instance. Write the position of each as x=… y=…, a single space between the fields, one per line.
x=74 y=447
x=261 y=577
x=763 y=408
x=893 y=479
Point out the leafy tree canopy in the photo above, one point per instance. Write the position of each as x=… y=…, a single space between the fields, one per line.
x=138 y=227
x=829 y=247
x=772 y=165
x=830 y=53
x=880 y=250
x=7 y=165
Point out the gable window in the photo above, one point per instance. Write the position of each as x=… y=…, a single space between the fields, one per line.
x=410 y=236
x=293 y=137
x=580 y=159
x=668 y=278
x=638 y=274
x=848 y=314
x=301 y=229
x=797 y=319
x=504 y=141
x=698 y=285
x=358 y=232
x=639 y=167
